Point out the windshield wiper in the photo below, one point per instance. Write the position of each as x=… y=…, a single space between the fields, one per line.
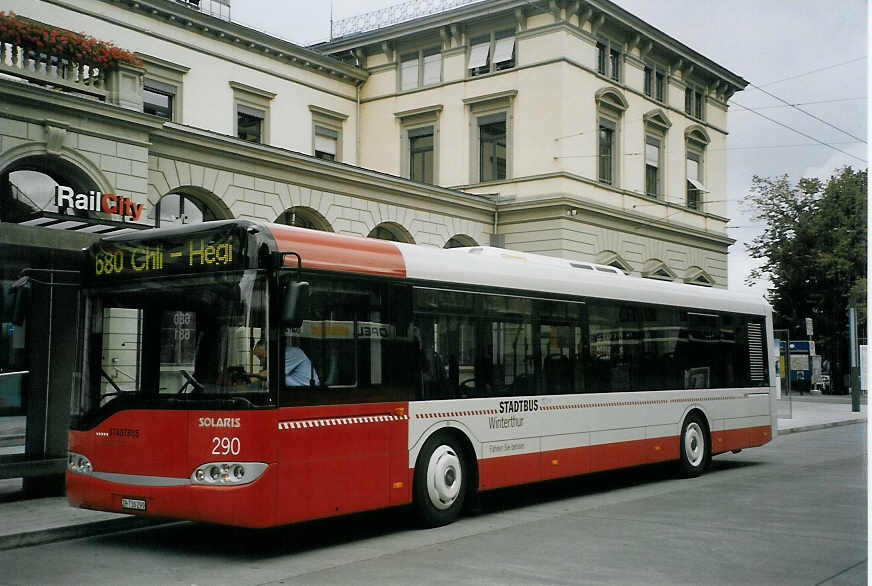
x=195 y=385
x=108 y=378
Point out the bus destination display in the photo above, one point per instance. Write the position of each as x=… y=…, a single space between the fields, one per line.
x=193 y=254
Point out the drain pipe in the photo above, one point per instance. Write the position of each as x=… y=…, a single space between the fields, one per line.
x=357 y=127
x=495 y=238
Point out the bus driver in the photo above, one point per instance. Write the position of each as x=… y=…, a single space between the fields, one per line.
x=298 y=368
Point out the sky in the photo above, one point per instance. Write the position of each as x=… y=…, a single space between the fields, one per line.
x=820 y=46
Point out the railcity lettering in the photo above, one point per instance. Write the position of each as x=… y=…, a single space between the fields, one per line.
x=95 y=201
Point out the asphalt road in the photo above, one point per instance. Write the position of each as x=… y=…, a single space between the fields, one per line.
x=791 y=512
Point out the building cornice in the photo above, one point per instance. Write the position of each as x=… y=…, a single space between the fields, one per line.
x=188 y=138
x=84 y=107
x=557 y=205
x=229 y=32
x=489 y=10
x=234 y=33
x=597 y=184
x=544 y=63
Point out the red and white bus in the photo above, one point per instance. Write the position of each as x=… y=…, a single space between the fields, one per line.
x=428 y=374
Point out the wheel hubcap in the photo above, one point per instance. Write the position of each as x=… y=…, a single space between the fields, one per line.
x=694 y=444
x=444 y=478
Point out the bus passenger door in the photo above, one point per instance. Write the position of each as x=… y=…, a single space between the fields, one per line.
x=339 y=434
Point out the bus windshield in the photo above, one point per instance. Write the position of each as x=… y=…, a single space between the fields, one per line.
x=187 y=342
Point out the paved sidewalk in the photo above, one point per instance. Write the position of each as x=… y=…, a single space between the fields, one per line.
x=35 y=521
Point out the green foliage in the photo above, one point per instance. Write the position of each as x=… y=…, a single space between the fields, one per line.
x=814 y=252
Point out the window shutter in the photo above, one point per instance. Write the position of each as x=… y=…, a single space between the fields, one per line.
x=478 y=56
x=652 y=155
x=325 y=140
x=242 y=109
x=504 y=49
x=409 y=74
x=432 y=69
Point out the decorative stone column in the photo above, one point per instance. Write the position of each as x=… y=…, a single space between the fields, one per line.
x=124 y=86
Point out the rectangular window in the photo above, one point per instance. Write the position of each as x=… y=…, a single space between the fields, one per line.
x=608 y=59
x=601 y=58
x=606 y=151
x=249 y=123
x=158 y=98
x=652 y=167
x=409 y=71
x=695 y=186
x=479 y=52
x=421 y=152
x=326 y=140
x=660 y=86
x=421 y=68
x=491 y=52
x=504 y=50
x=480 y=345
x=492 y=147
x=615 y=64
x=432 y=67
x=354 y=345
x=649 y=81
x=694 y=102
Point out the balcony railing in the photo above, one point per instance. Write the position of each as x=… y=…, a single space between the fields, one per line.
x=46 y=69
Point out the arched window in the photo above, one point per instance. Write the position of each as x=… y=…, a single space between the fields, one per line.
x=391 y=231
x=178 y=208
x=27 y=189
x=460 y=241
x=303 y=217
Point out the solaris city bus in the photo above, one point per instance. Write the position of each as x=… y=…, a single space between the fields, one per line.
x=429 y=374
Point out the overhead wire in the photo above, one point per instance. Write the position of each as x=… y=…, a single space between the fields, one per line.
x=808 y=136
x=818 y=70
x=806 y=112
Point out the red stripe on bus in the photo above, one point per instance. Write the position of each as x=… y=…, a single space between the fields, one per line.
x=338 y=252
x=524 y=468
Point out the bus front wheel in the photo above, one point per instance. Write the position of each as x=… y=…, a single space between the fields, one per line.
x=441 y=475
x=695 y=449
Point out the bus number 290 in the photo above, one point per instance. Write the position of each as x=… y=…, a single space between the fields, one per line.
x=221 y=446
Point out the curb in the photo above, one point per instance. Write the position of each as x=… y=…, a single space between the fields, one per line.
x=817 y=426
x=64 y=533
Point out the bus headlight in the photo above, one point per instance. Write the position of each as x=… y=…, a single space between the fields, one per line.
x=227 y=473
x=78 y=463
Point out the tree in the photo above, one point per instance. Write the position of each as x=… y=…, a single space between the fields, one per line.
x=814 y=250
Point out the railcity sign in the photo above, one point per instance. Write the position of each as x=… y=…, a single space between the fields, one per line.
x=95 y=201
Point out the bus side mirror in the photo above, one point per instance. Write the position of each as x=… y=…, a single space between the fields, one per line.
x=20 y=300
x=295 y=304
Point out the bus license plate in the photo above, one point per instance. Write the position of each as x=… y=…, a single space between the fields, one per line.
x=133 y=504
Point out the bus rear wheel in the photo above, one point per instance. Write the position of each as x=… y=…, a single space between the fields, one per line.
x=441 y=476
x=694 y=446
